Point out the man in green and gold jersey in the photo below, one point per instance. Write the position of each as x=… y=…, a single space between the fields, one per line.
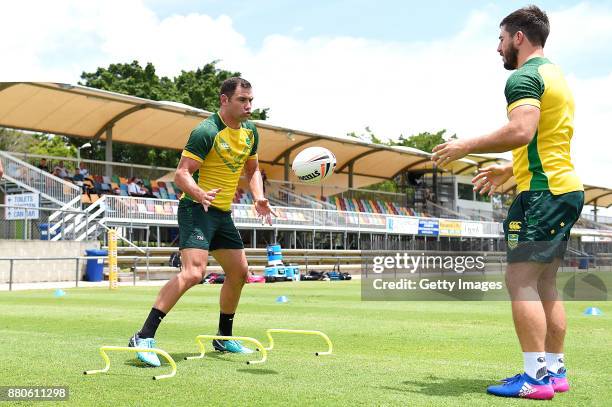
x=211 y=164
x=549 y=199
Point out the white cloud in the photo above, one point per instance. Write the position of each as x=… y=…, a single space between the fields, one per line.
x=326 y=84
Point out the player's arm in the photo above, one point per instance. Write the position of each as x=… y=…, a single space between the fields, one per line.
x=253 y=174
x=519 y=131
x=184 y=180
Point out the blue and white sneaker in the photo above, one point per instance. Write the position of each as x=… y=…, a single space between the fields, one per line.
x=524 y=386
x=148 y=358
x=230 y=346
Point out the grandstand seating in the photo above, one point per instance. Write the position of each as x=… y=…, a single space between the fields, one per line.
x=371 y=206
x=98 y=185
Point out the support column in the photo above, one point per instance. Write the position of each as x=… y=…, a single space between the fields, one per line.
x=287 y=166
x=109 y=150
x=350 y=175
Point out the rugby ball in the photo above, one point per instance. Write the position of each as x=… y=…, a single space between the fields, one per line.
x=314 y=164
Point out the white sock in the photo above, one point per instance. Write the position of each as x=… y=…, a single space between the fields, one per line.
x=535 y=364
x=554 y=362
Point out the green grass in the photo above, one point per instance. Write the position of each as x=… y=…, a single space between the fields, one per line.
x=385 y=353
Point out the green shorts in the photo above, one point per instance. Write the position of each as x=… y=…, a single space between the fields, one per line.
x=210 y=230
x=538 y=225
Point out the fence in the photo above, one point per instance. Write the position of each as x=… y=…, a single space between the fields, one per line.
x=37 y=226
x=98 y=167
x=28 y=177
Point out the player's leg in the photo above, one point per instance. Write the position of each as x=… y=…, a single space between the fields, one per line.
x=195 y=229
x=193 y=269
x=563 y=210
x=530 y=325
x=556 y=326
x=522 y=230
x=235 y=266
x=227 y=248
x=527 y=311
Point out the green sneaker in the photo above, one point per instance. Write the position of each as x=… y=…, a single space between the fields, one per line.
x=148 y=358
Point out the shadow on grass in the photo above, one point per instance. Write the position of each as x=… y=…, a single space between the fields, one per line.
x=442 y=386
x=257 y=371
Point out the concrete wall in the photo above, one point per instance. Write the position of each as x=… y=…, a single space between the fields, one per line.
x=26 y=271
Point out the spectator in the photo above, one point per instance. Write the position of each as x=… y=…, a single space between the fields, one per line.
x=42 y=165
x=144 y=190
x=57 y=172
x=137 y=189
x=63 y=172
x=81 y=173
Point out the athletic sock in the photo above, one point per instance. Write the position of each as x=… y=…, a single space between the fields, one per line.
x=555 y=362
x=535 y=364
x=151 y=324
x=226 y=322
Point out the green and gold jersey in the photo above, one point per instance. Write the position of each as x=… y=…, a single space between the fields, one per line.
x=544 y=163
x=222 y=153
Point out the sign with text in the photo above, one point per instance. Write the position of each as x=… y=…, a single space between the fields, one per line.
x=429 y=227
x=21 y=206
x=402 y=225
x=450 y=227
x=473 y=229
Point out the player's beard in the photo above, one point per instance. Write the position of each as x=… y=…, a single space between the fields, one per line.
x=511 y=57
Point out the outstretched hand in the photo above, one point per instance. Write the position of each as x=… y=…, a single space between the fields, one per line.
x=490 y=178
x=264 y=211
x=450 y=151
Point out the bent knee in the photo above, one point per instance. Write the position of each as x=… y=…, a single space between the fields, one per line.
x=192 y=276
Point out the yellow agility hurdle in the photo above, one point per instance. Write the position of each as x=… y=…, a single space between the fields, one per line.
x=270 y=331
x=260 y=347
x=163 y=353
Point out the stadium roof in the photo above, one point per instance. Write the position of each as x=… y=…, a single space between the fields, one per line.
x=88 y=113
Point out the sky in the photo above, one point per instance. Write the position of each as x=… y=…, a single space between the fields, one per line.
x=332 y=67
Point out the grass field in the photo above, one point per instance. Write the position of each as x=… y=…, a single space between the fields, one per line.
x=385 y=353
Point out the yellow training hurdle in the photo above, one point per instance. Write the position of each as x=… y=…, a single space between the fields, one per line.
x=260 y=347
x=270 y=331
x=105 y=349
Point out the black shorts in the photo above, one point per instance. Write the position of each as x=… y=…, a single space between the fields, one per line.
x=538 y=225
x=210 y=230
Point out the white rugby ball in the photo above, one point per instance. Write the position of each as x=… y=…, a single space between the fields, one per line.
x=314 y=164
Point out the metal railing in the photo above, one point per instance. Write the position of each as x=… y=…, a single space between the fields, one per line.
x=607 y=220
x=41 y=227
x=32 y=179
x=97 y=167
x=120 y=210
x=78 y=270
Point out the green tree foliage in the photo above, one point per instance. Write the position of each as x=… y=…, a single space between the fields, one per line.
x=17 y=141
x=424 y=141
x=199 y=88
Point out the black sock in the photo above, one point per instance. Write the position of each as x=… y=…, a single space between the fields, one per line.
x=226 y=321
x=151 y=324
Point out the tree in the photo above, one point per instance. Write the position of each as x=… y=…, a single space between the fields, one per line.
x=199 y=88
x=424 y=141
x=15 y=140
